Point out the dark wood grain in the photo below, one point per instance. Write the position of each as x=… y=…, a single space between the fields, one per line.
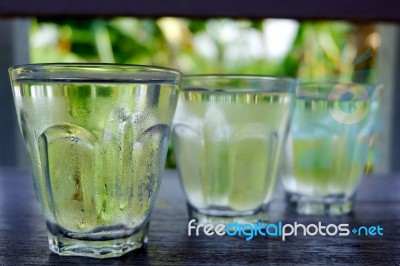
x=384 y=10
x=23 y=237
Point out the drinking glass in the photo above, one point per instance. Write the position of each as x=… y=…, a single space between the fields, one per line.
x=228 y=136
x=328 y=145
x=97 y=136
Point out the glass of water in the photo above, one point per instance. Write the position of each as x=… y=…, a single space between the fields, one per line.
x=97 y=138
x=329 y=145
x=228 y=135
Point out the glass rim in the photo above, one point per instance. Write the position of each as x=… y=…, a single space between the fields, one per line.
x=240 y=76
x=94 y=72
x=333 y=83
x=93 y=65
x=210 y=83
x=337 y=89
x=322 y=87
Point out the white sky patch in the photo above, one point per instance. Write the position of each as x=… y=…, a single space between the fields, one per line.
x=224 y=31
x=247 y=46
x=239 y=43
x=46 y=35
x=205 y=46
x=253 y=43
x=279 y=35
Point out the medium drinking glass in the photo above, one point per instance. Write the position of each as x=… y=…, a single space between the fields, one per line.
x=328 y=145
x=97 y=138
x=228 y=136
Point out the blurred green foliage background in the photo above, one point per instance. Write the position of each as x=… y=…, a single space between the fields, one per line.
x=312 y=51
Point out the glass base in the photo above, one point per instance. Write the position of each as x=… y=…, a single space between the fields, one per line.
x=66 y=246
x=213 y=216
x=332 y=205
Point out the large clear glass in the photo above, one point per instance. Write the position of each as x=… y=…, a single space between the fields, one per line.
x=97 y=138
x=228 y=137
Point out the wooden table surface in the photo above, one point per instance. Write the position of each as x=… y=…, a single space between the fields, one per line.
x=23 y=237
